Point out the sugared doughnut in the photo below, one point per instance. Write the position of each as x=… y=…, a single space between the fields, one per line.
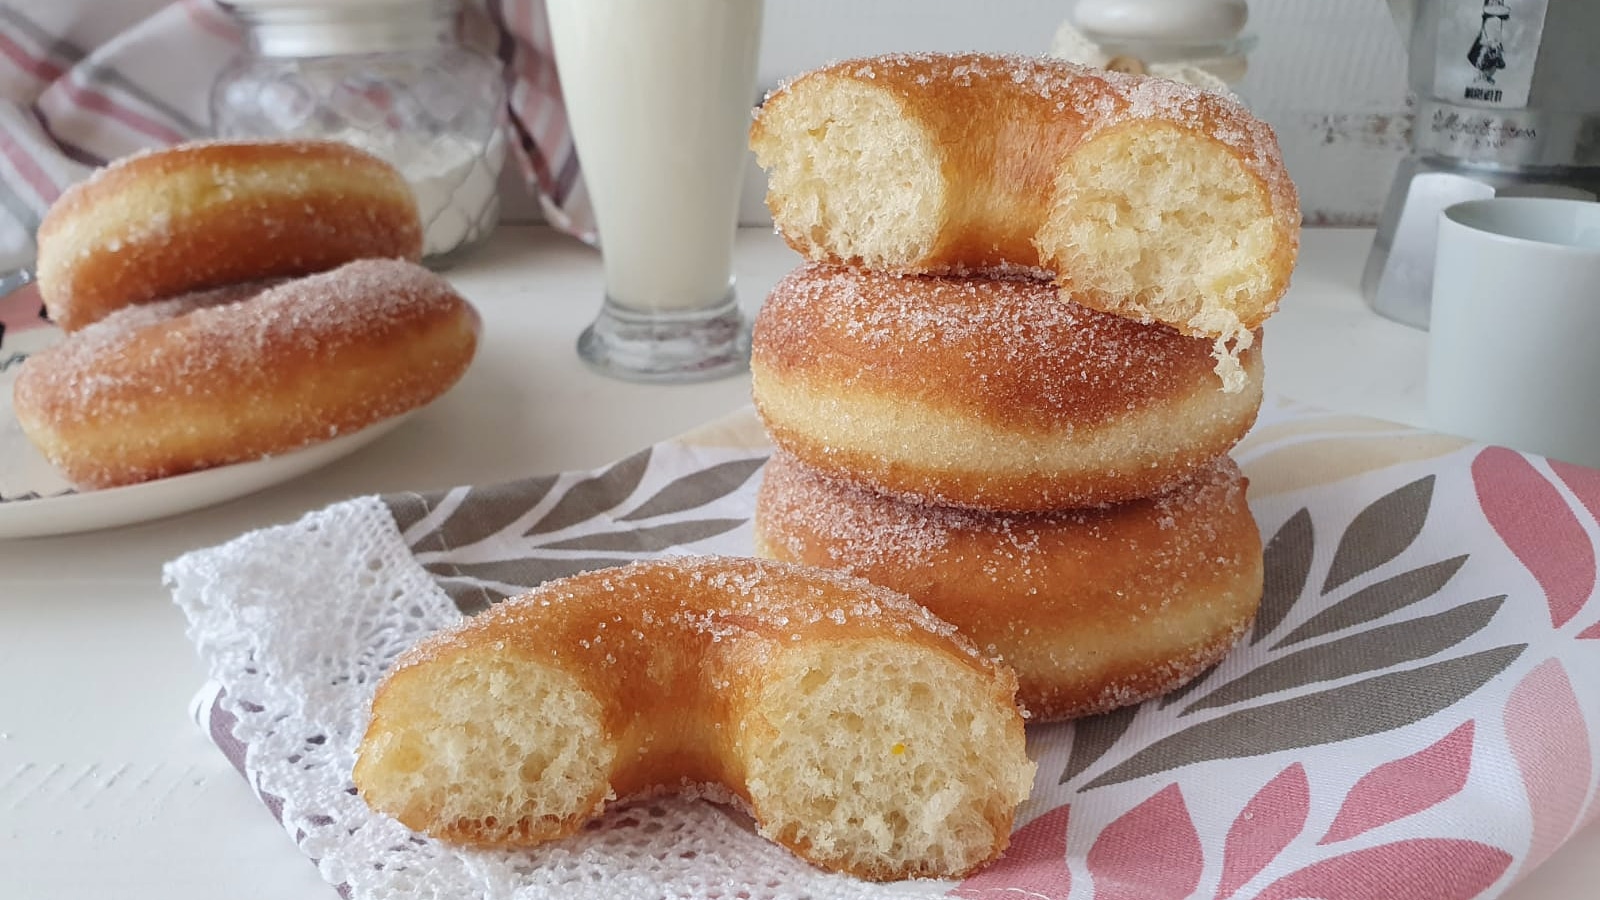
x=243 y=372
x=863 y=733
x=1095 y=609
x=984 y=392
x=1140 y=196
x=207 y=214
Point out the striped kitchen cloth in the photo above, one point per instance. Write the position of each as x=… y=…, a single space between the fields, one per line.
x=83 y=82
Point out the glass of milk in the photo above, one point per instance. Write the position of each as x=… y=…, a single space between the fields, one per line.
x=658 y=97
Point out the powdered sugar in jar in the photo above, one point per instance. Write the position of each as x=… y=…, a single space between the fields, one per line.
x=390 y=77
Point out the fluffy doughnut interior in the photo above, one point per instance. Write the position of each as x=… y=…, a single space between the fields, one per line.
x=497 y=749
x=875 y=758
x=1161 y=222
x=728 y=678
x=831 y=154
x=864 y=755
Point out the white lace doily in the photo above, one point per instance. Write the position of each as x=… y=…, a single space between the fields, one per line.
x=297 y=672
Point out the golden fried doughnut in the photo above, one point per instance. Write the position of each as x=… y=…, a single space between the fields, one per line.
x=1095 y=609
x=863 y=733
x=1139 y=196
x=243 y=372
x=984 y=392
x=208 y=214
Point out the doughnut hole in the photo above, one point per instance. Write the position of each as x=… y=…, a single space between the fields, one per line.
x=851 y=171
x=874 y=757
x=1163 y=222
x=500 y=750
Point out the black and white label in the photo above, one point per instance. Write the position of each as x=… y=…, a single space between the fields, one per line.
x=1487 y=50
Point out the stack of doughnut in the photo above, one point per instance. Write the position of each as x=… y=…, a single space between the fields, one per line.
x=1008 y=377
x=228 y=301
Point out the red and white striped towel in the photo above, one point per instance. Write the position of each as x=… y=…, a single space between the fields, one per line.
x=83 y=82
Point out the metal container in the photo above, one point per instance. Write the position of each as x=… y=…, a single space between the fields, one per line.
x=1507 y=96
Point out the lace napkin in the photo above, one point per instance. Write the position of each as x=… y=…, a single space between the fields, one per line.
x=1413 y=714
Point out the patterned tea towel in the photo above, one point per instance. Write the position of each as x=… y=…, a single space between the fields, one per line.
x=1413 y=716
x=83 y=82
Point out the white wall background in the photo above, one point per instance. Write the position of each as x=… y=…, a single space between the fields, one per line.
x=1329 y=75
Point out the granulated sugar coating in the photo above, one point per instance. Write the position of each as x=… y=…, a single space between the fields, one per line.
x=1107 y=100
x=1101 y=99
x=1137 y=196
x=989 y=393
x=1095 y=608
x=165 y=222
x=1006 y=350
x=673 y=599
x=242 y=372
x=1072 y=85
x=237 y=333
x=864 y=733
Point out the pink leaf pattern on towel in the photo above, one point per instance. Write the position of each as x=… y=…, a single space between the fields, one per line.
x=1592 y=633
x=1273 y=817
x=1550 y=742
x=1405 y=786
x=1151 y=853
x=1435 y=868
x=1536 y=524
x=1584 y=483
x=1035 y=865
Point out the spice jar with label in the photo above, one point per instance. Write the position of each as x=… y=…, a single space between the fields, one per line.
x=390 y=77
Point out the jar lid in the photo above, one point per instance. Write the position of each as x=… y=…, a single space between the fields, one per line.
x=1162 y=21
x=338 y=27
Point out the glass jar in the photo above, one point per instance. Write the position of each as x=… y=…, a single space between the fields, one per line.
x=1199 y=42
x=388 y=76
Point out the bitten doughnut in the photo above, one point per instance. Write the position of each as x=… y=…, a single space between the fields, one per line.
x=208 y=214
x=984 y=392
x=1095 y=609
x=1139 y=196
x=243 y=372
x=863 y=733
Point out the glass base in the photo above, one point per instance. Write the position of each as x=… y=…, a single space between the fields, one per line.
x=668 y=347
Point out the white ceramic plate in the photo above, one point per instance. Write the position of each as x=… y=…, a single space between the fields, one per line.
x=91 y=510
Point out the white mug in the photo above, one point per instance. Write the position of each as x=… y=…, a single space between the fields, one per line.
x=1514 y=342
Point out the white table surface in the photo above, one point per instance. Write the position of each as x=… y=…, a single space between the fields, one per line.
x=107 y=789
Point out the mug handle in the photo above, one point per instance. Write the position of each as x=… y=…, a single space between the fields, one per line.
x=15 y=280
x=10 y=283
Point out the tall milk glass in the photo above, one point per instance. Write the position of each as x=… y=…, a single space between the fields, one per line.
x=658 y=95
